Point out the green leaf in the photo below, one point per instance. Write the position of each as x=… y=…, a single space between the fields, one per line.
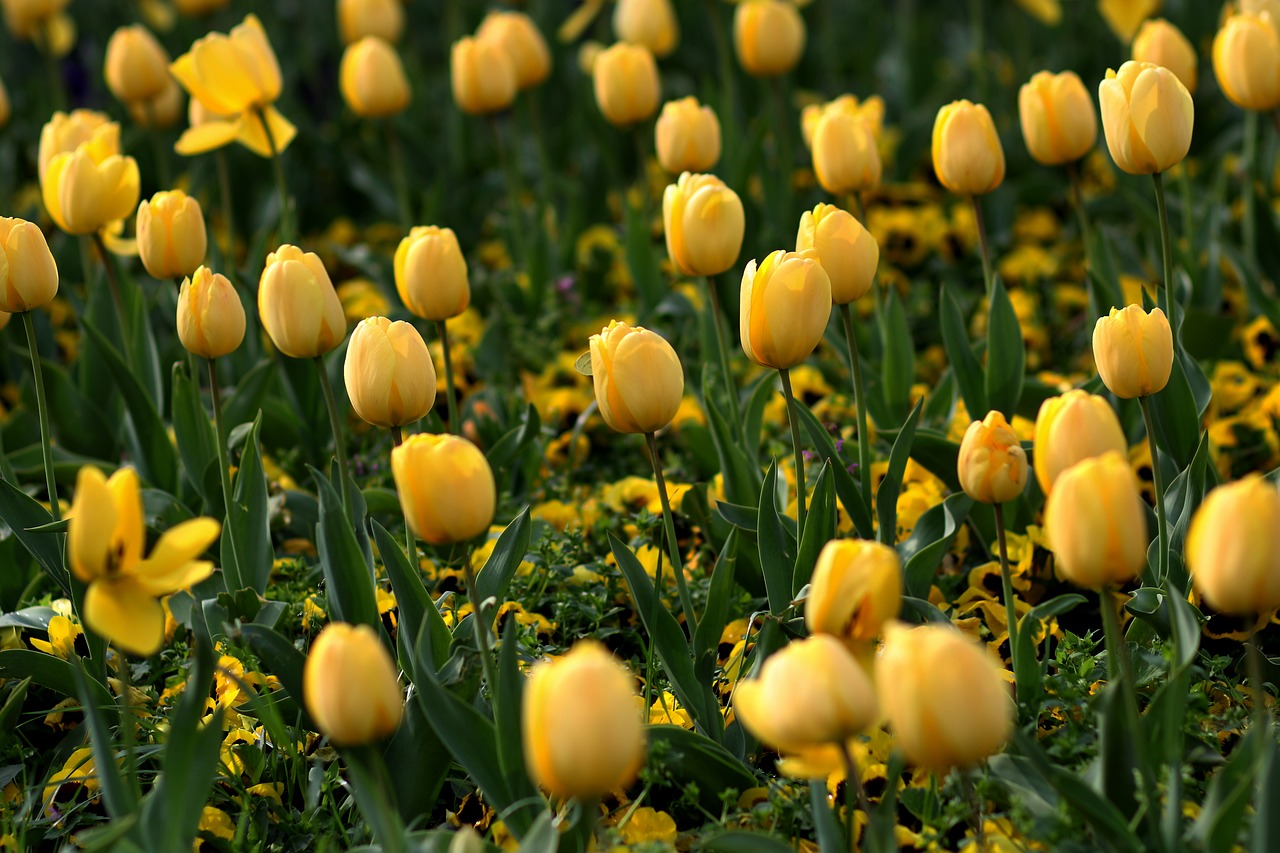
x=938 y=455
x=1266 y=821
x=250 y=394
x=965 y=366
x=250 y=513
x=848 y=489
x=819 y=529
x=898 y=370
x=699 y=762
x=1027 y=674
x=493 y=580
x=887 y=495
x=118 y=796
x=753 y=414
x=1176 y=417
x=11 y=709
x=1117 y=752
x=507 y=702
x=1006 y=355
x=742 y=517
x=25 y=516
x=417 y=761
x=640 y=257
x=706 y=639
x=412 y=598
x=777 y=545
x=191 y=428
x=348 y=578
x=543 y=835
x=48 y=671
x=741 y=478
x=923 y=550
x=745 y=842
x=1217 y=828
x=830 y=837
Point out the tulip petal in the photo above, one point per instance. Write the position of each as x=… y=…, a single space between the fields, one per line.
x=172 y=564
x=93 y=520
x=122 y=611
x=251 y=131
x=211 y=135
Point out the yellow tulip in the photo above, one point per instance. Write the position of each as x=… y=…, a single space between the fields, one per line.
x=847 y=251
x=389 y=375
x=372 y=79
x=171 y=235
x=1096 y=522
x=1133 y=351
x=358 y=19
x=162 y=112
x=582 y=735
x=137 y=67
x=1071 y=428
x=1057 y=116
x=992 y=465
x=626 y=83
x=869 y=111
x=351 y=687
x=845 y=156
x=1246 y=60
x=431 y=273
x=298 y=306
x=1161 y=43
x=945 y=699
x=482 y=75
x=210 y=315
x=786 y=302
x=106 y=535
x=856 y=588
x=651 y=23
x=1230 y=547
x=66 y=132
x=28 y=19
x=687 y=136
x=523 y=44
x=1124 y=16
x=768 y=36
x=638 y=380
x=1147 y=117
x=28 y=274
x=446 y=487
x=83 y=193
x=704 y=224
x=967 y=156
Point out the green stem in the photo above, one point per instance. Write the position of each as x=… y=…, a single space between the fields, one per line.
x=673 y=547
x=117 y=297
x=722 y=345
x=159 y=152
x=410 y=544
x=287 y=232
x=860 y=400
x=396 y=162
x=1261 y=718
x=856 y=794
x=228 y=209
x=481 y=624
x=1167 y=251
x=1119 y=667
x=1082 y=213
x=128 y=722
x=799 y=453
x=1248 y=223
x=981 y=222
x=335 y=422
x=451 y=396
x=233 y=572
x=42 y=410
x=373 y=791
x=782 y=138
x=1006 y=581
x=1161 y=521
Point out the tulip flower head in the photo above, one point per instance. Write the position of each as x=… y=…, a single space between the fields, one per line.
x=1147 y=117
x=522 y=42
x=687 y=136
x=372 y=79
x=446 y=487
x=637 y=376
x=1134 y=351
x=869 y=111
x=651 y=23
x=1246 y=59
x=210 y=315
x=992 y=465
x=28 y=273
x=845 y=156
x=1161 y=43
x=1057 y=116
x=1096 y=523
x=431 y=273
x=1231 y=548
x=298 y=305
x=1071 y=428
x=967 y=156
x=483 y=76
x=65 y=132
x=768 y=36
x=171 y=235
x=1125 y=16
x=626 y=83
x=704 y=224
x=786 y=302
x=359 y=19
x=856 y=589
x=351 y=687
x=137 y=67
x=848 y=252
x=389 y=375
x=88 y=189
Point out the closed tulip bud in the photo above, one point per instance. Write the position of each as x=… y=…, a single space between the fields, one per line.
x=210 y=315
x=523 y=44
x=651 y=23
x=137 y=67
x=351 y=687
x=626 y=83
x=161 y=112
x=446 y=487
x=66 y=132
x=582 y=736
x=1096 y=522
x=945 y=699
x=483 y=77
x=4 y=105
x=637 y=376
x=704 y=224
x=26 y=18
x=390 y=378
x=372 y=79
x=812 y=692
x=1071 y=428
x=967 y=156
x=28 y=274
x=298 y=305
x=1231 y=549
x=845 y=157
x=870 y=112
x=992 y=464
x=786 y=302
x=1057 y=116
x=1161 y=43
x=359 y=19
x=1133 y=351
x=687 y=136
x=1124 y=16
x=1246 y=60
x=856 y=588
x=233 y=73
x=83 y=193
x=847 y=251
x=171 y=235
x=431 y=273
x=1147 y=117
x=768 y=36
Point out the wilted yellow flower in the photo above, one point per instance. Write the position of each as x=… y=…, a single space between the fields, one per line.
x=1147 y=117
x=351 y=687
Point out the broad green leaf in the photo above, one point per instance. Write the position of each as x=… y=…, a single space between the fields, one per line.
x=1176 y=417
x=923 y=550
x=1217 y=827
x=698 y=761
x=119 y=796
x=24 y=515
x=777 y=545
x=741 y=478
x=412 y=598
x=493 y=580
x=281 y=659
x=965 y=367
x=819 y=528
x=891 y=485
x=641 y=259
x=348 y=578
x=48 y=671
x=848 y=489
x=830 y=835
x=250 y=514
x=706 y=639
x=1006 y=355
x=737 y=841
x=898 y=370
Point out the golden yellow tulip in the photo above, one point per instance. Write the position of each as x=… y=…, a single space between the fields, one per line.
x=171 y=235
x=351 y=687
x=1133 y=351
x=446 y=487
x=967 y=156
x=1147 y=117
x=137 y=67
x=210 y=315
x=66 y=132
x=626 y=83
x=687 y=136
x=1057 y=117
x=372 y=79
x=1231 y=549
x=768 y=36
x=358 y=19
x=197 y=8
x=1048 y=12
x=83 y=193
x=297 y=304
x=28 y=274
x=651 y=23
x=638 y=380
x=29 y=19
x=704 y=224
x=431 y=273
x=786 y=302
x=992 y=465
x=1071 y=428
x=523 y=44
x=1246 y=61
x=482 y=75
x=1096 y=522
x=856 y=588
x=847 y=251
x=1124 y=16
x=845 y=156
x=1161 y=43
x=389 y=375
x=869 y=111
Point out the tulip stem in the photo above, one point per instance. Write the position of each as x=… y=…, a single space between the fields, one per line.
x=396 y=161
x=1006 y=581
x=673 y=546
x=1260 y=717
x=228 y=210
x=855 y=793
x=1167 y=251
x=1082 y=213
x=722 y=345
x=232 y=574
x=282 y=187
x=801 y=491
x=481 y=626
x=42 y=407
x=1248 y=224
x=451 y=396
x=128 y=728
x=981 y=223
x=410 y=544
x=113 y=282
x=335 y=422
x=860 y=400
x=1161 y=521
x=157 y=143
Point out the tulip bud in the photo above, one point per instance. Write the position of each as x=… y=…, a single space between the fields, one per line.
x=651 y=23
x=83 y=193
x=847 y=251
x=768 y=36
x=431 y=273
x=1161 y=43
x=66 y=132
x=298 y=305
x=992 y=464
x=210 y=315
x=358 y=19
x=171 y=235
x=372 y=79
x=1058 y=121
x=27 y=18
x=870 y=112
x=704 y=224
x=626 y=83
x=523 y=44
x=1096 y=522
x=484 y=80
x=1147 y=116
x=4 y=105
x=786 y=302
x=137 y=67
x=390 y=378
x=945 y=699
x=637 y=376
x=967 y=156
x=687 y=136
x=1071 y=428
x=1246 y=60
x=1133 y=351
x=845 y=157
x=1231 y=548
x=446 y=487
x=582 y=735
x=28 y=274
x=812 y=692
x=161 y=112
x=856 y=588
x=351 y=686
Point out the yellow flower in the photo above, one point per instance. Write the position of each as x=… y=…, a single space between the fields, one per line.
x=687 y=136
x=651 y=23
x=856 y=589
x=446 y=487
x=431 y=273
x=351 y=686
x=1057 y=117
x=845 y=156
x=360 y=18
x=1246 y=60
x=137 y=67
x=1124 y=16
x=992 y=464
x=65 y=132
x=1228 y=547
x=1096 y=522
x=768 y=36
x=870 y=111
x=482 y=75
x=89 y=188
x=523 y=43
x=1046 y=11
x=297 y=304
x=626 y=83
x=28 y=273
x=63 y=634
x=648 y=826
x=847 y=251
x=704 y=224
x=1161 y=43
x=967 y=156
x=210 y=317
x=1147 y=117
x=1070 y=428
x=1134 y=351
x=171 y=235
x=216 y=823
x=637 y=377
x=388 y=372
x=786 y=302
x=372 y=79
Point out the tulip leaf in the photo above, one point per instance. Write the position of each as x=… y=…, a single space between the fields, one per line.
x=1028 y=673
x=544 y=836
x=80 y=424
x=849 y=489
x=819 y=528
x=742 y=517
x=119 y=797
x=699 y=762
x=283 y=660
x=830 y=837
x=1266 y=821
x=1117 y=748
x=250 y=514
x=492 y=580
x=964 y=364
x=25 y=516
x=891 y=485
x=777 y=545
x=753 y=414
x=898 y=370
x=249 y=395
x=1006 y=355
x=939 y=455
x=923 y=550
x=640 y=257
x=1177 y=420
x=412 y=598
x=48 y=671
x=1183 y=495
x=417 y=761
x=507 y=701
x=1217 y=828
x=744 y=842
x=348 y=577
x=706 y=639
x=741 y=478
